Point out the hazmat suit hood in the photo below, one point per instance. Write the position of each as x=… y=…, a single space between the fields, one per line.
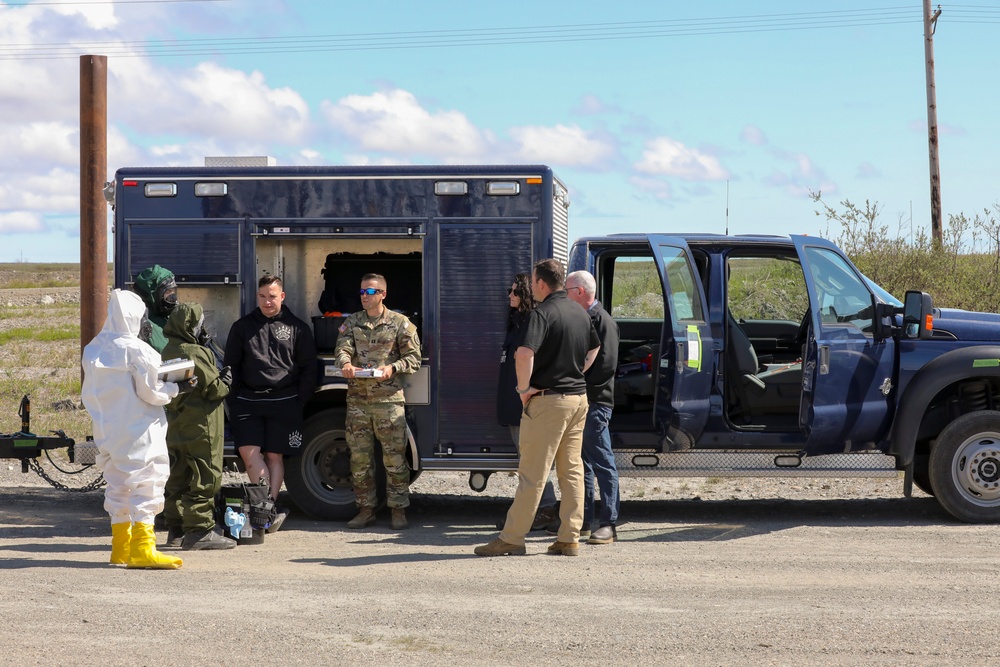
x=158 y=289
x=118 y=344
x=186 y=322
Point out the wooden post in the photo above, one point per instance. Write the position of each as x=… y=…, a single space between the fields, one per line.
x=93 y=207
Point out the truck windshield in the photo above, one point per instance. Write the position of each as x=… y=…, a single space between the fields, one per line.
x=881 y=294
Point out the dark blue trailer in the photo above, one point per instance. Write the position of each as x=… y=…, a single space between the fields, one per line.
x=449 y=239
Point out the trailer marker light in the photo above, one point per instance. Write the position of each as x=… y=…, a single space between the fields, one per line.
x=788 y=461
x=645 y=461
x=161 y=189
x=503 y=188
x=210 y=189
x=130 y=184
x=534 y=180
x=451 y=188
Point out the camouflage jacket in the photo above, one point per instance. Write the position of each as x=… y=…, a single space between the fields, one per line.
x=388 y=340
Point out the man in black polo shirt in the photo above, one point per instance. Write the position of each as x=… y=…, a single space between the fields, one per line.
x=559 y=345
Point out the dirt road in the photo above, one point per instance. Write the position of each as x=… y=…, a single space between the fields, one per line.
x=840 y=581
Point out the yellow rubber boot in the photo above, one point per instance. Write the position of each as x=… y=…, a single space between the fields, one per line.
x=143 y=553
x=121 y=537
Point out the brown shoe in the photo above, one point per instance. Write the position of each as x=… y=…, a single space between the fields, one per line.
x=365 y=517
x=399 y=519
x=499 y=548
x=564 y=549
x=545 y=517
x=603 y=535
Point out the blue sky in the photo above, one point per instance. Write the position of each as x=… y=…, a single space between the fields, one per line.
x=649 y=111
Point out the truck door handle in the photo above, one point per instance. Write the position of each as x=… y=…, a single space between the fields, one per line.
x=824 y=359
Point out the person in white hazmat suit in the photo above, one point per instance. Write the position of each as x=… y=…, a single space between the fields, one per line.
x=125 y=399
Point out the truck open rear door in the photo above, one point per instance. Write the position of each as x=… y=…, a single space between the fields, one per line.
x=685 y=365
x=847 y=369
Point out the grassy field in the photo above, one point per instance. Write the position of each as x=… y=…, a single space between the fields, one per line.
x=40 y=351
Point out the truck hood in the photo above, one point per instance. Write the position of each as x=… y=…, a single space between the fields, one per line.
x=967 y=324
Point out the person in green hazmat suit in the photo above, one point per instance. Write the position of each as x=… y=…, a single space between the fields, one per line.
x=194 y=437
x=158 y=289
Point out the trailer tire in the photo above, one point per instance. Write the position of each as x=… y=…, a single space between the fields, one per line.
x=319 y=480
x=965 y=467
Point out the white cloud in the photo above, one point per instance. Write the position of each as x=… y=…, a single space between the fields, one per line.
x=657 y=187
x=394 y=122
x=669 y=157
x=753 y=135
x=20 y=221
x=207 y=101
x=801 y=177
x=563 y=145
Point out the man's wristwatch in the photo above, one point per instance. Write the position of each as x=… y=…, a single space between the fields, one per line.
x=519 y=391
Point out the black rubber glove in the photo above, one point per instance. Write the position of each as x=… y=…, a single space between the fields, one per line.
x=187 y=386
x=226 y=375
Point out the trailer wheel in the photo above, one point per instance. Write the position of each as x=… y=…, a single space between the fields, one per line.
x=965 y=467
x=319 y=480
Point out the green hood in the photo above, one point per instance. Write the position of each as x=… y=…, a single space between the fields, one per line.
x=147 y=282
x=184 y=321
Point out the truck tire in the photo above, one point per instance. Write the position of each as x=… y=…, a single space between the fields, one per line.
x=965 y=467
x=319 y=480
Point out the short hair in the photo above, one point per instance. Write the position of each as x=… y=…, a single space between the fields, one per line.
x=375 y=276
x=550 y=272
x=270 y=279
x=584 y=280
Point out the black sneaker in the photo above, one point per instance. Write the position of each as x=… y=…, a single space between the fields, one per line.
x=204 y=540
x=279 y=518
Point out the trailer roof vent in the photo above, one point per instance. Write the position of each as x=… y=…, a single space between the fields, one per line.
x=451 y=188
x=241 y=161
x=503 y=188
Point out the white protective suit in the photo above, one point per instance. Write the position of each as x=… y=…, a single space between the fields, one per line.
x=125 y=400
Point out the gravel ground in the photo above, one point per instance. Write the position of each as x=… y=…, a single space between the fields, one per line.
x=750 y=572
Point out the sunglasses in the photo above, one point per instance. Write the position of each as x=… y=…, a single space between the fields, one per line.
x=510 y=291
x=371 y=291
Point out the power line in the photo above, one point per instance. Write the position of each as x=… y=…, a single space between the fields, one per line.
x=478 y=37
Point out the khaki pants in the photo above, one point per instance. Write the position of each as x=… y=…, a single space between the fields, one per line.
x=551 y=430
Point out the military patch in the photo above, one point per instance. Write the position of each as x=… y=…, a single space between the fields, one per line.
x=283 y=332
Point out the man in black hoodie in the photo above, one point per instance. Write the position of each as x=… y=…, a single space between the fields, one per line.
x=272 y=355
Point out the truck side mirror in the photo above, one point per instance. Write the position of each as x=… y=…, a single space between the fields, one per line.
x=918 y=320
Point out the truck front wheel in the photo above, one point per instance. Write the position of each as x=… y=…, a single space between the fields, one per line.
x=965 y=467
x=319 y=480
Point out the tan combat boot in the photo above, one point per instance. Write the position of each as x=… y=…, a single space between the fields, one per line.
x=399 y=519
x=365 y=517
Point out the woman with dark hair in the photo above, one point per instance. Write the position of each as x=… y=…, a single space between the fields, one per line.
x=508 y=402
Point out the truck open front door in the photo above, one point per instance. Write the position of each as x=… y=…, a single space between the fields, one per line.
x=847 y=370
x=685 y=364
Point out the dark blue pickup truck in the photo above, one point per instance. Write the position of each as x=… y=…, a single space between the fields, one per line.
x=760 y=355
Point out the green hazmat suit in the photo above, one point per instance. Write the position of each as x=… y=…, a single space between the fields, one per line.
x=194 y=427
x=158 y=289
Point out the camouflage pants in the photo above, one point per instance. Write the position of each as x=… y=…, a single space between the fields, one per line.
x=386 y=423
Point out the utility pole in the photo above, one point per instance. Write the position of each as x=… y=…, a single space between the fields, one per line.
x=930 y=25
x=93 y=208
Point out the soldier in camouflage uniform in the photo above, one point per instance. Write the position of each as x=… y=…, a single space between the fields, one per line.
x=385 y=342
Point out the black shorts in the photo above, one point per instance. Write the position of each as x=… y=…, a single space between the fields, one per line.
x=273 y=425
